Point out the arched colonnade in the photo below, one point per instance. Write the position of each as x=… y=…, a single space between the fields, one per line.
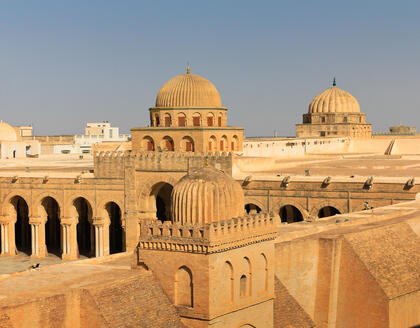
x=45 y=228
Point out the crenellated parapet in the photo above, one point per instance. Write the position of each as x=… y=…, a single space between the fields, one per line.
x=210 y=238
x=112 y=164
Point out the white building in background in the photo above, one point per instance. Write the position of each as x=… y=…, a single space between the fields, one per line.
x=94 y=133
x=12 y=145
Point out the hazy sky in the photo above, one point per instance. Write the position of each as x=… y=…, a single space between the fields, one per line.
x=65 y=63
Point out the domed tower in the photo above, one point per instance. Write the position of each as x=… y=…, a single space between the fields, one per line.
x=334 y=113
x=215 y=263
x=188 y=116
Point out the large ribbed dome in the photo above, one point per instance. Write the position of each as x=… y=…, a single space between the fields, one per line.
x=7 y=133
x=206 y=195
x=334 y=100
x=188 y=90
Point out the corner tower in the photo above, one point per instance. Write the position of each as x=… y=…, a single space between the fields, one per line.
x=334 y=113
x=214 y=263
x=188 y=116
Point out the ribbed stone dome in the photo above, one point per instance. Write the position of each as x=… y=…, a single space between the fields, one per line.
x=188 y=90
x=206 y=195
x=7 y=133
x=334 y=100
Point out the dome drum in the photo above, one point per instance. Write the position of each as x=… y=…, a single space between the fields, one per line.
x=334 y=118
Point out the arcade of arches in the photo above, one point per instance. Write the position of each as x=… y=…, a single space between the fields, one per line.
x=51 y=232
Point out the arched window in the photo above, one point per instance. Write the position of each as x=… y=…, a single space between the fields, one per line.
x=168 y=120
x=196 y=119
x=223 y=143
x=187 y=144
x=210 y=119
x=182 y=119
x=167 y=143
x=219 y=120
x=184 y=288
x=148 y=144
x=245 y=280
x=235 y=143
x=157 y=120
x=290 y=214
x=212 y=143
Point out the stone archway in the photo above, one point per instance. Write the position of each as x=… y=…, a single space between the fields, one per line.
x=22 y=226
x=84 y=230
x=252 y=208
x=327 y=211
x=290 y=214
x=116 y=232
x=162 y=200
x=51 y=212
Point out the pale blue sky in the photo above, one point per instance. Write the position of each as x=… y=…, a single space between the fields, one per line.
x=64 y=63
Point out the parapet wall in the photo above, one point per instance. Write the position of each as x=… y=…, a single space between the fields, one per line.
x=113 y=164
x=208 y=238
x=293 y=147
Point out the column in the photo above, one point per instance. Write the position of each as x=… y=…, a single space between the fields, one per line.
x=69 y=238
x=98 y=224
x=7 y=230
x=4 y=244
x=38 y=246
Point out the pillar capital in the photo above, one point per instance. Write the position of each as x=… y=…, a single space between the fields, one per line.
x=68 y=220
x=98 y=221
x=6 y=219
x=37 y=220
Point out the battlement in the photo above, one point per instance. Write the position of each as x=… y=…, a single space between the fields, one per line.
x=208 y=238
x=112 y=164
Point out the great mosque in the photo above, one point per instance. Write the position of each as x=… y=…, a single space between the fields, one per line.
x=197 y=226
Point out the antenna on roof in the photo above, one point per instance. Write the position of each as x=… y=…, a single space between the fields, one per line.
x=334 y=83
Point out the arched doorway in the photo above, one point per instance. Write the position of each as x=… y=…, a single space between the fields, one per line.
x=328 y=211
x=290 y=214
x=22 y=226
x=252 y=208
x=162 y=197
x=116 y=233
x=52 y=225
x=85 y=233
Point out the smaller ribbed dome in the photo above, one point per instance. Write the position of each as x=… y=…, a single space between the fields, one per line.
x=334 y=100
x=7 y=133
x=206 y=195
x=188 y=91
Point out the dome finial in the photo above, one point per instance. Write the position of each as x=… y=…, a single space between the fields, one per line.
x=334 y=83
x=188 y=67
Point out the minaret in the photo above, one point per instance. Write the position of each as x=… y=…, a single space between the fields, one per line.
x=215 y=263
